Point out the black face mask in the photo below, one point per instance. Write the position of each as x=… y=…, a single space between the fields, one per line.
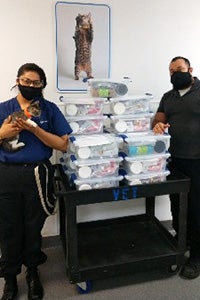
x=30 y=93
x=181 y=80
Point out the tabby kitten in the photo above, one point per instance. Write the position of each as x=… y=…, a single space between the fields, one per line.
x=33 y=110
x=83 y=39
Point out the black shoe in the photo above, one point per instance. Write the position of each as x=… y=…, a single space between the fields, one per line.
x=190 y=270
x=35 y=289
x=10 y=288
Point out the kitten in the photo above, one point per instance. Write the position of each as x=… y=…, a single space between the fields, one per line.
x=33 y=110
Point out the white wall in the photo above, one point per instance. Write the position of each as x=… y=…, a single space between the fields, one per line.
x=145 y=35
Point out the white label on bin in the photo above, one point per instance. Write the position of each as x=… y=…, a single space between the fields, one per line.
x=84 y=172
x=120 y=126
x=84 y=152
x=119 y=108
x=71 y=110
x=136 y=167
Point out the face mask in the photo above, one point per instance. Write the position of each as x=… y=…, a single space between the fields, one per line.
x=181 y=80
x=29 y=92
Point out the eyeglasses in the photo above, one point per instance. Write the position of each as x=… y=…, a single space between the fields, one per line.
x=28 y=82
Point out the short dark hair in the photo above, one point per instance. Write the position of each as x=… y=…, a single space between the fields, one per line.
x=181 y=57
x=35 y=68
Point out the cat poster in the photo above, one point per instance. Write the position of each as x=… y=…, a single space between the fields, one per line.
x=82 y=44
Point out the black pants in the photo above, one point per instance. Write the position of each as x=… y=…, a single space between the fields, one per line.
x=191 y=168
x=21 y=219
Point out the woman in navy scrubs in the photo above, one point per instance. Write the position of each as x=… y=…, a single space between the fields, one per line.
x=23 y=174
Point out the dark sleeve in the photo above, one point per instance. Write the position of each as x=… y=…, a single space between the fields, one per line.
x=161 y=105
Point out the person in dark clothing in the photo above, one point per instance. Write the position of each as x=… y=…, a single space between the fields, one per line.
x=179 y=112
x=24 y=172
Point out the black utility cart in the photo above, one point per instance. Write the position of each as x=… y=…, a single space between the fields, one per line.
x=103 y=248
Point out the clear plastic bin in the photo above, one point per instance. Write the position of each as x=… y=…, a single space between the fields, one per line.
x=145 y=164
x=95 y=168
x=67 y=164
x=94 y=146
x=130 y=105
x=132 y=123
x=106 y=88
x=146 y=178
x=83 y=106
x=96 y=183
x=87 y=124
x=66 y=170
x=146 y=144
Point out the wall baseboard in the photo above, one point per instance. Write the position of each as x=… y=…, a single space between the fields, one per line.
x=51 y=241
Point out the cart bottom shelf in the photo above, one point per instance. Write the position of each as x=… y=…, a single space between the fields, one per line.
x=123 y=240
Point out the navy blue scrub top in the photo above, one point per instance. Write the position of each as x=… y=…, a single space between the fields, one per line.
x=51 y=120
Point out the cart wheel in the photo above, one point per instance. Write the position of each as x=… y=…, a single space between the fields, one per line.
x=84 y=287
x=173 y=269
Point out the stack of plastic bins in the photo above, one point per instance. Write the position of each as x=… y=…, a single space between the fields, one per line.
x=145 y=158
x=96 y=173
x=85 y=115
x=93 y=161
x=130 y=114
